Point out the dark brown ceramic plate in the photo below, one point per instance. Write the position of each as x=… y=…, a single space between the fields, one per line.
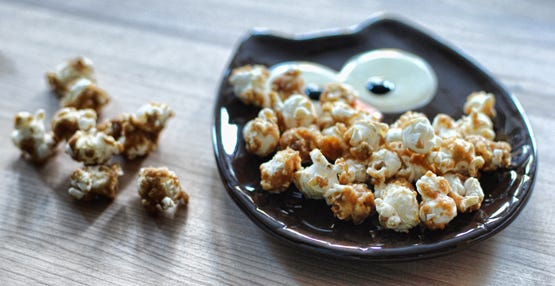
x=309 y=223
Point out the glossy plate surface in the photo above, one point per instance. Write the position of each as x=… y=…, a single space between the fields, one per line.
x=309 y=223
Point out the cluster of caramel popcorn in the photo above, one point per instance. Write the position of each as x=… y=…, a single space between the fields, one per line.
x=410 y=172
x=131 y=135
x=159 y=188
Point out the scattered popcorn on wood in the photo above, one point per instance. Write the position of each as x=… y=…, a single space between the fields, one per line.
x=160 y=189
x=68 y=120
x=89 y=182
x=65 y=73
x=92 y=147
x=83 y=93
x=30 y=136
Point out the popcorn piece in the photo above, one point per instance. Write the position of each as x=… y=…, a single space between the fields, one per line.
x=418 y=135
x=455 y=155
x=396 y=205
x=68 y=120
x=91 y=181
x=288 y=83
x=350 y=171
x=383 y=165
x=152 y=117
x=249 y=84
x=83 y=93
x=278 y=173
x=331 y=143
x=350 y=202
x=29 y=136
x=315 y=180
x=339 y=92
x=481 y=102
x=160 y=188
x=414 y=165
x=92 y=147
x=476 y=124
x=394 y=135
x=262 y=135
x=445 y=127
x=64 y=74
x=138 y=133
x=468 y=197
x=364 y=137
x=302 y=139
x=406 y=118
x=496 y=154
x=298 y=111
x=436 y=209
x=337 y=112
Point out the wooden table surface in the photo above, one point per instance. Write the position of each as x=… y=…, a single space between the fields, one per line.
x=175 y=51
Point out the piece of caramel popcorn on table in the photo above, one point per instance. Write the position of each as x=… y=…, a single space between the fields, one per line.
x=30 y=136
x=83 y=93
x=91 y=181
x=160 y=189
x=68 y=120
x=65 y=73
x=92 y=147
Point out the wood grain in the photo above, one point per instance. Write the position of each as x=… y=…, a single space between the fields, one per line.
x=174 y=51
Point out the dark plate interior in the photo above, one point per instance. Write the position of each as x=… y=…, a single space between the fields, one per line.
x=309 y=223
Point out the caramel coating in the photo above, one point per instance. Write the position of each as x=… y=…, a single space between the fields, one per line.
x=83 y=93
x=159 y=188
x=350 y=202
x=68 y=120
x=89 y=182
x=288 y=83
x=92 y=147
x=64 y=74
x=29 y=135
x=278 y=173
x=302 y=139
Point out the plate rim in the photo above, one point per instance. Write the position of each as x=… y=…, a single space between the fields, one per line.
x=405 y=253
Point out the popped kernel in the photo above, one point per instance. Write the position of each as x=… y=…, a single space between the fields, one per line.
x=159 y=188
x=331 y=143
x=496 y=154
x=92 y=147
x=437 y=209
x=65 y=73
x=152 y=117
x=352 y=202
x=68 y=120
x=476 y=123
x=339 y=92
x=383 y=165
x=482 y=102
x=468 y=196
x=365 y=137
x=278 y=173
x=30 y=136
x=89 y=182
x=288 y=83
x=261 y=134
x=445 y=126
x=396 y=205
x=337 y=112
x=298 y=110
x=249 y=84
x=455 y=155
x=350 y=171
x=302 y=139
x=418 y=135
x=83 y=93
x=314 y=180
